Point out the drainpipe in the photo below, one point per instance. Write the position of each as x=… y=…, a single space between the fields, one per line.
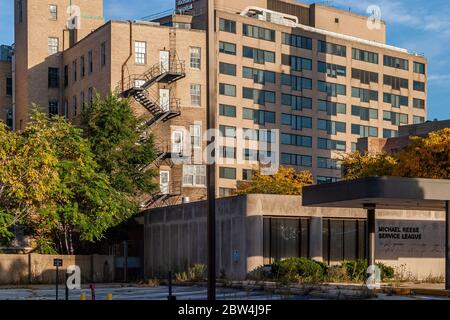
x=129 y=57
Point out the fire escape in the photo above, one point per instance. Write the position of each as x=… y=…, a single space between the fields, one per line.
x=162 y=107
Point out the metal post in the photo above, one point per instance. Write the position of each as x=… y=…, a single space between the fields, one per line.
x=125 y=260
x=171 y=297
x=67 y=287
x=447 y=244
x=57 y=276
x=211 y=166
x=371 y=233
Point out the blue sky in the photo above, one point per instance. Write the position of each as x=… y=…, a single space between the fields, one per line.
x=420 y=26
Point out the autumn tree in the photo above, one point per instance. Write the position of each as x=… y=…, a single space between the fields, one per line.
x=286 y=181
x=357 y=165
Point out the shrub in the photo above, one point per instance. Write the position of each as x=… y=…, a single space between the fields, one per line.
x=299 y=270
x=195 y=273
x=387 y=272
x=261 y=273
x=356 y=269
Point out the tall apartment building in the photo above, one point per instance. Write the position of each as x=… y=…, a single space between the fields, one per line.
x=321 y=76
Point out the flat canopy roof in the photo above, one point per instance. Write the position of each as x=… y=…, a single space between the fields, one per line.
x=384 y=192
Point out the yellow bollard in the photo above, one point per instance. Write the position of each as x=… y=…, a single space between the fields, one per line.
x=83 y=296
x=109 y=296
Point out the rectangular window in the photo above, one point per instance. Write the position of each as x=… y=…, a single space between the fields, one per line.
x=395 y=118
x=296 y=41
x=364 y=76
x=227 y=25
x=227 y=152
x=196 y=57
x=82 y=101
x=53 y=45
x=296 y=63
x=9 y=87
x=327 y=163
x=296 y=140
x=331 y=108
x=395 y=82
x=366 y=56
x=227 y=68
x=417 y=119
x=196 y=98
x=227 y=48
x=332 y=70
x=247 y=174
x=140 y=52
x=20 y=10
x=331 y=127
x=258 y=32
x=327 y=144
x=82 y=67
x=259 y=96
x=258 y=135
x=53 y=108
x=332 y=89
x=227 y=110
x=419 y=68
x=227 y=173
x=90 y=62
x=74 y=105
x=397 y=63
x=258 y=116
x=331 y=48
x=53 y=77
x=364 y=114
x=296 y=83
x=395 y=100
x=296 y=122
x=364 y=95
x=53 y=9
x=258 y=55
x=389 y=133
x=227 y=89
x=103 y=54
x=296 y=102
x=258 y=76
x=419 y=86
x=66 y=75
x=90 y=97
x=74 y=71
x=255 y=155
x=364 y=131
x=418 y=103
x=296 y=160
x=196 y=135
x=227 y=131
x=194 y=175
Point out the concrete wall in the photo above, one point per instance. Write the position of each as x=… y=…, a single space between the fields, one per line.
x=38 y=269
x=175 y=237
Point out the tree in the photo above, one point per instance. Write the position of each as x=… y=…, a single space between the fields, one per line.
x=52 y=185
x=424 y=157
x=121 y=146
x=286 y=181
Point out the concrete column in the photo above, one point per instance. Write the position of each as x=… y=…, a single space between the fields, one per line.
x=447 y=245
x=315 y=238
x=371 y=233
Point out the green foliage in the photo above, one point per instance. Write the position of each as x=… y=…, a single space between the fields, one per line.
x=299 y=270
x=115 y=135
x=195 y=273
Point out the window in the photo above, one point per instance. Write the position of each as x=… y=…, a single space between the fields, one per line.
x=258 y=116
x=20 y=10
x=364 y=113
x=227 y=152
x=397 y=63
x=296 y=140
x=258 y=76
x=417 y=119
x=364 y=95
x=196 y=57
x=258 y=135
x=227 y=89
x=395 y=100
x=296 y=83
x=53 y=77
x=103 y=54
x=366 y=56
x=66 y=75
x=53 y=45
x=53 y=12
x=227 y=131
x=331 y=127
x=227 y=110
x=389 y=133
x=327 y=144
x=196 y=98
x=364 y=131
x=259 y=96
x=296 y=102
x=258 y=55
x=296 y=160
x=194 y=175
x=74 y=71
x=227 y=68
x=395 y=82
x=196 y=135
x=327 y=163
x=9 y=119
x=258 y=32
x=140 y=52
x=82 y=68
x=296 y=122
x=247 y=174
x=332 y=70
x=366 y=77
x=296 y=63
x=227 y=25
x=332 y=89
x=74 y=105
x=419 y=68
x=90 y=62
x=331 y=48
x=227 y=173
x=53 y=108
x=419 y=86
x=418 y=103
x=394 y=118
x=90 y=97
x=227 y=48
x=331 y=108
x=82 y=102
x=296 y=41
x=9 y=89
x=255 y=155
